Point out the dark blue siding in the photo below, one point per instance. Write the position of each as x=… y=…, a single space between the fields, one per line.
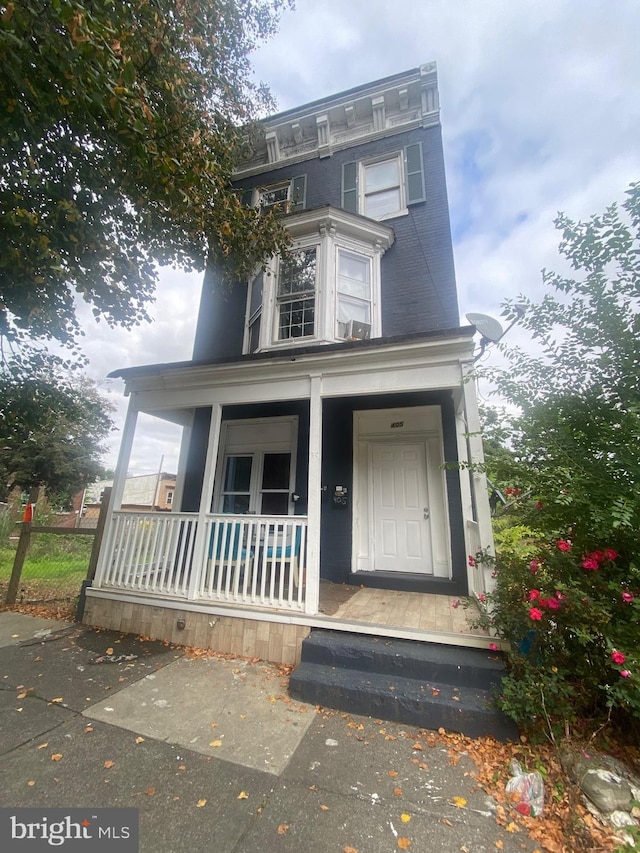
x=337 y=469
x=418 y=277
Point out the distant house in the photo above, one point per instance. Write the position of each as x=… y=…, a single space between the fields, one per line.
x=152 y=492
x=326 y=410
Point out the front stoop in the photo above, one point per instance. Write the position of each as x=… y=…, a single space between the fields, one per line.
x=422 y=684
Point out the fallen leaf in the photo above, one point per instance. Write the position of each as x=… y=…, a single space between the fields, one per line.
x=139 y=740
x=325 y=808
x=109 y=651
x=397 y=792
x=108 y=764
x=216 y=743
x=59 y=699
x=56 y=756
x=460 y=802
x=349 y=850
x=42 y=745
x=392 y=773
x=243 y=795
x=445 y=821
x=283 y=828
x=201 y=803
x=31 y=783
x=405 y=818
x=499 y=844
x=313 y=788
x=88 y=728
x=512 y=827
x=22 y=695
x=150 y=792
x=404 y=843
x=182 y=767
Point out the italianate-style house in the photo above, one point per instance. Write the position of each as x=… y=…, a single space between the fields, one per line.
x=327 y=413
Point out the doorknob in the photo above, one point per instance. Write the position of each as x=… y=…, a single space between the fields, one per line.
x=426 y=512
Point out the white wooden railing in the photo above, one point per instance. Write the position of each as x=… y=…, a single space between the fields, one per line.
x=246 y=559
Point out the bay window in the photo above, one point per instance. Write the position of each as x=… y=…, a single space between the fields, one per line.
x=326 y=289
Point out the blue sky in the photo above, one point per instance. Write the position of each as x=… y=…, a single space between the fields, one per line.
x=540 y=114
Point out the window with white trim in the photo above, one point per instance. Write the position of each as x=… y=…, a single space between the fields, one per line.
x=327 y=289
x=384 y=186
x=256 y=467
x=290 y=195
x=296 y=295
x=353 y=298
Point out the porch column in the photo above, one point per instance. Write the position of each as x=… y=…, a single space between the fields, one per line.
x=200 y=544
x=312 y=592
x=479 y=479
x=119 y=481
x=182 y=465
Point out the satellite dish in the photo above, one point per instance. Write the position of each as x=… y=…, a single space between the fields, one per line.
x=488 y=326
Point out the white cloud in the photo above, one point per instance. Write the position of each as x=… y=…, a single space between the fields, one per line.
x=540 y=114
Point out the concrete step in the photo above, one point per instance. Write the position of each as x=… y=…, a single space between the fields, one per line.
x=425 y=661
x=421 y=684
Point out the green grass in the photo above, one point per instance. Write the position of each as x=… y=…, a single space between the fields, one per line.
x=55 y=566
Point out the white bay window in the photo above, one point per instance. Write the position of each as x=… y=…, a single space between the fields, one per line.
x=327 y=289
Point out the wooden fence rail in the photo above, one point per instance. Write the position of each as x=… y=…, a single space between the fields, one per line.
x=28 y=529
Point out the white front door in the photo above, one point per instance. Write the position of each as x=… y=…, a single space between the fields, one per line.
x=400 y=511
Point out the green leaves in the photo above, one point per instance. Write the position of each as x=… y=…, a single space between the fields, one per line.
x=120 y=127
x=52 y=425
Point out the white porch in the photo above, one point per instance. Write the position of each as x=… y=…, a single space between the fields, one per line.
x=262 y=568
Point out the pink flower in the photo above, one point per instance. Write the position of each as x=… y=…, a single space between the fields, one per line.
x=627 y=597
x=539 y=505
x=617 y=657
x=597 y=555
x=542 y=602
x=534 y=565
x=625 y=673
x=455 y=603
x=482 y=597
x=553 y=604
x=563 y=545
x=535 y=614
x=533 y=594
x=590 y=563
x=560 y=595
x=472 y=562
x=610 y=554
x=493 y=647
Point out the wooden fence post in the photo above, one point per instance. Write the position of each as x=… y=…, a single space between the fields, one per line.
x=97 y=541
x=95 y=553
x=21 y=552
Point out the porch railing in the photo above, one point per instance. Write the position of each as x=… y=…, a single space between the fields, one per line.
x=250 y=560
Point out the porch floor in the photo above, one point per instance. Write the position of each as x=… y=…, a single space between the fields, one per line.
x=393 y=609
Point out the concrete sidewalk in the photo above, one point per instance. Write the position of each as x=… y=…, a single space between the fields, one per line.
x=217 y=757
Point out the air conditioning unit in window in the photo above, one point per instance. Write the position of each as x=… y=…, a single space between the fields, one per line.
x=357 y=331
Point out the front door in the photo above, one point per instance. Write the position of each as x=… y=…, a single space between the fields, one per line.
x=400 y=511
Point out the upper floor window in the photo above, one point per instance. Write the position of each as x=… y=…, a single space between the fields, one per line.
x=290 y=195
x=296 y=295
x=382 y=187
x=327 y=289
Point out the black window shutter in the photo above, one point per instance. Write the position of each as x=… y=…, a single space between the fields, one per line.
x=246 y=197
x=299 y=193
x=415 y=174
x=350 y=187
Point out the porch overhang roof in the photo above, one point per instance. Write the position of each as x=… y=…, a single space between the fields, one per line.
x=131 y=373
x=435 y=360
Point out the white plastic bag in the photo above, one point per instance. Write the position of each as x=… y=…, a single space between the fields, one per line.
x=529 y=787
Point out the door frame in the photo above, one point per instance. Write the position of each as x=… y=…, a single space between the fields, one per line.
x=414 y=425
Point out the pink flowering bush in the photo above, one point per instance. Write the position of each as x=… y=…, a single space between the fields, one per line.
x=572 y=618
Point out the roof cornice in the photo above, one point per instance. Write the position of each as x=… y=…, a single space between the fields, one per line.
x=378 y=109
